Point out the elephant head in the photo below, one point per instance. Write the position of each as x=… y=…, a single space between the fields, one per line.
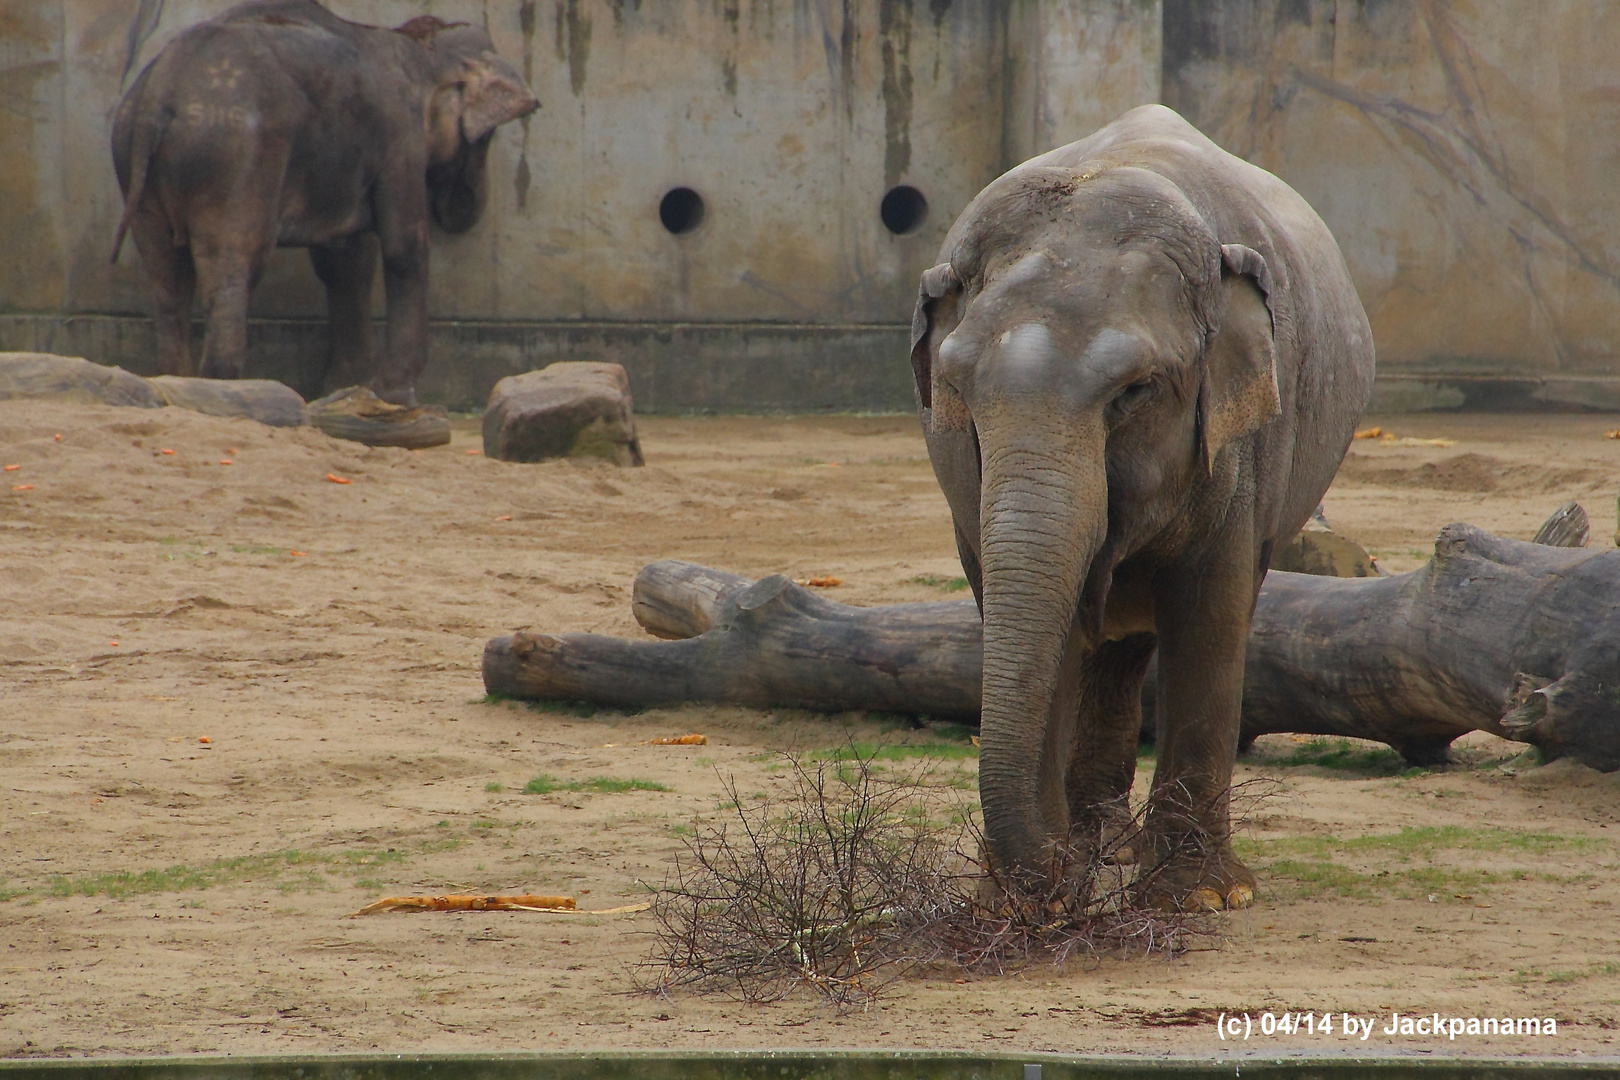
x=1083 y=355
x=471 y=93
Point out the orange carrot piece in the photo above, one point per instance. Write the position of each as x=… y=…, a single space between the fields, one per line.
x=459 y=902
x=678 y=740
x=336 y=479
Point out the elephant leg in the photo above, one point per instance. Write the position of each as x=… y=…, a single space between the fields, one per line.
x=173 y=278
x=347 y=268
x=1202 y=612
x=226 y=275
x=402 y=233
x=1103 y=767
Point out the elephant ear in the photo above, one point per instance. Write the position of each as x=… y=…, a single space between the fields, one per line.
x=1238 y=394
x=934 y=317
x=492 y=94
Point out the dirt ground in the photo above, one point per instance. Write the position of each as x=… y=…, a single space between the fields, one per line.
x=239 y=701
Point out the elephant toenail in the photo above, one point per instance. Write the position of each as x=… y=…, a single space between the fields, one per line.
x=1203 y=900
x=1241 y=896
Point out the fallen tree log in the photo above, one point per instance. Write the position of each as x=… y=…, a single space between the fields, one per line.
x=1518 y=639
x=762 y=643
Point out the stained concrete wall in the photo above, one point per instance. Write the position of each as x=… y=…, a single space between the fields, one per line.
x=1464 y=154
x=1460 y=151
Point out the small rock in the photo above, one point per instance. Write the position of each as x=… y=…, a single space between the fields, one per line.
x=356 y=414
x=264 y=400
x=1325 y=553
x=48 y=377
x=569 y=409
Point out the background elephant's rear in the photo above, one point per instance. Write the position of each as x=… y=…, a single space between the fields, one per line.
x=240 y=136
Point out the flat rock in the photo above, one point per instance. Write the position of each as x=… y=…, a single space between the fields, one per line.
x=48 y=377
x=1320 y=550
x=356 y=414
x=569 y=409
x=264 y=400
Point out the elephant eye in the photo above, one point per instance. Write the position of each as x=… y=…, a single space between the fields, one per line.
x=1131 y=398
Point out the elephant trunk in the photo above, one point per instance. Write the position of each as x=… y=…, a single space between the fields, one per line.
x=458 y=189
x=1044 y=516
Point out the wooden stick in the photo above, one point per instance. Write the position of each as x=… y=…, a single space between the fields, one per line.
x=459 y=902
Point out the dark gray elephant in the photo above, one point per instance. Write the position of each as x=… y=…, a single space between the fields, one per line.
x=1139 y=363
x=280 y=124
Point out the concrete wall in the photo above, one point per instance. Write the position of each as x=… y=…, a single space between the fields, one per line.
x=1462 y=152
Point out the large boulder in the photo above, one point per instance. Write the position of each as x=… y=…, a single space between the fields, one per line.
x=264 y=400
x=570 y=409
x=47 y=377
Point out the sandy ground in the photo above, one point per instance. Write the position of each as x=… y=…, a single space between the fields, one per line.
x=165 y=894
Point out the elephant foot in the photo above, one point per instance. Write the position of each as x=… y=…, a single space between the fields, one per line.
x=1217 y=883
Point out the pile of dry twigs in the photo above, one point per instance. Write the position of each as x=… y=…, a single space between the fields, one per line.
x=849 y=880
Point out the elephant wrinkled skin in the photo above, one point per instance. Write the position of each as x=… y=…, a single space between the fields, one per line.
x=279 y=124
x=1139 y=363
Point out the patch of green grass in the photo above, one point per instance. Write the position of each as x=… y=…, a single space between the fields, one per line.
x=893 y=721
x=955 y=584
x=895 y=751
x=1342 y=755
x=285 y=871
x=257 y=549
x=961 y=733
x=582 y=709
x=1425 y=841
x=494 y=787
x=545 y=784
x=1590 y=971
x=1409 y=861
x=9 y=894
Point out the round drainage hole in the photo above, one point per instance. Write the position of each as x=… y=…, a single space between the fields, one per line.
x=903 y=210
x=681 y=210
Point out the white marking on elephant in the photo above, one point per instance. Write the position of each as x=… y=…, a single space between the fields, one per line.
x=1025 y=354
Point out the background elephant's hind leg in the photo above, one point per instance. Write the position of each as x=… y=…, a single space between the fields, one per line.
x=1103 y=767
x=225 y=277
x=173 y=278
x=347 y=269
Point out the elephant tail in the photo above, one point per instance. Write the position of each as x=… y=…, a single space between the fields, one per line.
x=150 y=120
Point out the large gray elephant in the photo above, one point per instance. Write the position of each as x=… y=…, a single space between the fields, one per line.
x=280 y=124
x=1138 y=363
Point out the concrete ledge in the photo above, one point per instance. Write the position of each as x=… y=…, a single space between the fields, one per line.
x=792 y=1065
x=1400 y=392
x=720 y=367
x=673 y=367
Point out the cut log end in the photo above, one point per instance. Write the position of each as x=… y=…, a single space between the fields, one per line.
x=1568 y=527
